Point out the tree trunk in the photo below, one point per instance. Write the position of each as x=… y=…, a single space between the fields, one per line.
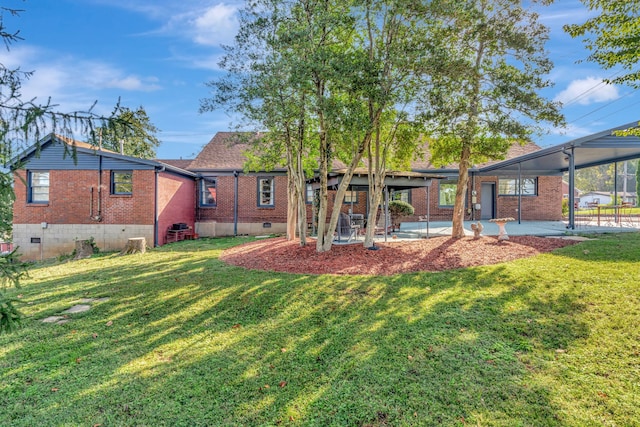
x=292 y=206
x=302 y=222
x=461 y=190
x=135 y=245
x=322 y=209
x=84 y=249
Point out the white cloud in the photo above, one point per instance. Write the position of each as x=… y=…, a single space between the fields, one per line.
x=587 y=91
x=571 y=131
x=73 y=84
x=216 y=25
x=211 y=26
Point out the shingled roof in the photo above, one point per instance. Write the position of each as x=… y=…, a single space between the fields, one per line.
x=226 y=152
x=177 y=163
x=424 y=164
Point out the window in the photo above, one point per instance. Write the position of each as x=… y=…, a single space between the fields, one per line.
x=509 y=186
x=447 y=193
x=121 y=182
x=208 y=192
x=266 y=192
x=350 y=197
x=310 y=194
x=38 y=190
x=403 y=195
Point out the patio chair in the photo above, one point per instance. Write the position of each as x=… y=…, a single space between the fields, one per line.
x=347 y=227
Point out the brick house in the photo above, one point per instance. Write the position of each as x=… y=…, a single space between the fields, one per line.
x=68 y=190
x=256 y=202
x=111 y=197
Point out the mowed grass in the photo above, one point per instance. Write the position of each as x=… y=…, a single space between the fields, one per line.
x=185 y=340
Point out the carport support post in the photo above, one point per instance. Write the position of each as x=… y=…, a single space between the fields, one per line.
x=519 y=192
x=615 y=192
x=572 y=186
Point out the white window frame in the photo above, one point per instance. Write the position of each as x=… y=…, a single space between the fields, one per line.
x=266 y=192
x=38 y=186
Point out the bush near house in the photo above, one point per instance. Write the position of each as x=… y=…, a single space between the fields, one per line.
x=397 y=210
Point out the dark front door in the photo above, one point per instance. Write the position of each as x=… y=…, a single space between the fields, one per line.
x=488 y=200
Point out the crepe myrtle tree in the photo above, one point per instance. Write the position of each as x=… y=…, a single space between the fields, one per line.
x=486 y=79
x=23 y=121
x=322 y=75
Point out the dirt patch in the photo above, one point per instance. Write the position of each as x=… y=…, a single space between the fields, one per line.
x=435 y=254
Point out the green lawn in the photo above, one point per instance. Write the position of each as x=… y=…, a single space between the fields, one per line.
x=185 y=340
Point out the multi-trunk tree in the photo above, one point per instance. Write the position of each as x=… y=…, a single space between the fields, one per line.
x=325 y=77
x=358 y=80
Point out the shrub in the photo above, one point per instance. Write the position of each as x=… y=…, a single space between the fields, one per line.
x=398 y=209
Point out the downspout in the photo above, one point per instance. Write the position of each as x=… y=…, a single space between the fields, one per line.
x=572 y=214
x=235 y=203
x=99 y=214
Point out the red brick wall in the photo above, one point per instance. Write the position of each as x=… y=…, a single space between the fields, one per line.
x=176 y=202
x=546 y=206
x=70 y=199
x=248 y=210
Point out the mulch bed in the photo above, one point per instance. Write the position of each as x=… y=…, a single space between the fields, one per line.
x=434 y=254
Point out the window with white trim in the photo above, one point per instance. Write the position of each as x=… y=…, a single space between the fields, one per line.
x=309 y=194
x=38 y=187
x=266 y=192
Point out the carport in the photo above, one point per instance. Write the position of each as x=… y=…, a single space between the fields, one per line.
x=598 y=149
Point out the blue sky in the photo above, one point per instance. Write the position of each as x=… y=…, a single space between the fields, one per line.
x=160 y=53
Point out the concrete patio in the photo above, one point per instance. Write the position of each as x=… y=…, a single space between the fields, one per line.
x=528 y=228
x=422 y=230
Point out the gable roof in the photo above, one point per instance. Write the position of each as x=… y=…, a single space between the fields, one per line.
x=85 y=148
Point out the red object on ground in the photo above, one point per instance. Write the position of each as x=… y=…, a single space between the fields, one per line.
x=435 y=254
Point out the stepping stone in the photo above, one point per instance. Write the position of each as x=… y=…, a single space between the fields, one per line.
x=88 y=300
x=52 y=319
x=80 y=308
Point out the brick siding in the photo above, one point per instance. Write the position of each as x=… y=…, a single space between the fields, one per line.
x=74 y=198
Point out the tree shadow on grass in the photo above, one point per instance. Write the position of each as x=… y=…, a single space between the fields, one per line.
x=200 y=343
